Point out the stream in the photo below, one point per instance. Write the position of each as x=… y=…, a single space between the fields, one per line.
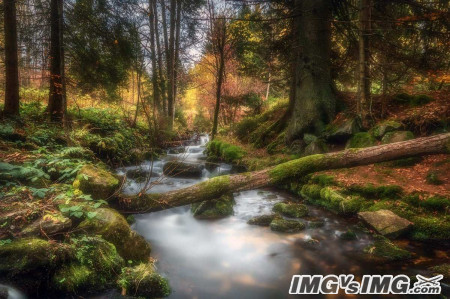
x=227 y=258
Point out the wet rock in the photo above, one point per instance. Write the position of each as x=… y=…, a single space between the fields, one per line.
x=386 y=250
x=387 y=126
x=286 y=226
x=176 y=150
x=114 y=228
x=214 y=209
x=316 y=224
x=316 y=147
x=263 y=220
x=360 y=140
x=28 y=254
x=397 y=136
x=143 y=280
x=181 y=169
x=342 y=132
x=95 y=266
x=97 y=182
x=211 y=166
x=310 y=244
x=295 y=210
x=140 y=174
x=48 y=225
x=385 y=222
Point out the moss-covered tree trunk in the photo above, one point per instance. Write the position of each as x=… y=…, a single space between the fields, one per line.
x=284 y=172
x=313 y=96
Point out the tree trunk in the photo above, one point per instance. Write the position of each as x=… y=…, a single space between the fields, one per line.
x=56 y=96
x=219 y=83
x=11 y=60
x=313 y=97
x=282 y=173
x=171 y=65
x=362 y=107
x=156 y=94
x=162 y=80
x=177 y=53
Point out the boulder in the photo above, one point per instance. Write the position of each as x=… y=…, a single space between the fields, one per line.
x=181 y=169
x=315 y=147
x=384 y=249
x=348 y=236
x=309 y=244
x=114 y=228
x=397 y=136
x=95 y=266
x=295 y=210
x=214 y=209
x=140 y=174
x=286 y=226
x=384 y=127
x=343 y=131
x=263 y=220
x=385 y=222
x=28 y=254
x=143 y=281
x=49 y=224
x=360 y=140
x=97 y=182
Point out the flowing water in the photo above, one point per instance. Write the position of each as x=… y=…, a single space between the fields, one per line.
x=227 y=258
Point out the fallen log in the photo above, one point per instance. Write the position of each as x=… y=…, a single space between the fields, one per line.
x=215 y=187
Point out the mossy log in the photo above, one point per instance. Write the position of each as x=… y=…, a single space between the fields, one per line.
x=216 y=187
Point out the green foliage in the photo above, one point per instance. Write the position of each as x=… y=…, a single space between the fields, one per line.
x=14 y=174
x=386 y=249
x=412 y=100
x=143 y=280
x=323 y=179
x=371 y=191
x=433 y=178
x=435 y=203
x=362 y=139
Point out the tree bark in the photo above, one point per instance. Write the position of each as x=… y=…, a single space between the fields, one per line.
x=156 y=94
x=11 y=60
x=177 y=53
x=56 y=96
x=162 y=80
x=171 y=65
x=363 y=107
x=282 y=173
x=313 y=92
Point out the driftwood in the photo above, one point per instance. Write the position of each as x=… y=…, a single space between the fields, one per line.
x=295 y=169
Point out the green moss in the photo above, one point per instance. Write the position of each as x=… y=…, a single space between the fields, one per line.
x=225 y=151
x=397 y=136
x=443 y=269
x=406 y=162
x=311 y=191
x=348 y=236
x=263 y=220
x=96 y=264
x=436 y=203
x=297 y=168
x=114 y=228
x=386 y=126
x=386 y=249
x=294 y=210
x=323 y=179
x=360 y=140
x=371 y=191
x=143 y=280
x=27 y=254
x=429 y=228
x=286 y=226
x=213 y=209
x=412 y=100
x=97 y=182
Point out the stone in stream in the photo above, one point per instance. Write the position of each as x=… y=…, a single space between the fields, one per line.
x=263 y=220
x=386 y=223
x=295 y=210
x=140 y=174
x=97 y=182
x=286 y=226
x=386 y=250
x=310 y=244
x=143 y=281
x=214 y=209
x=181 y=169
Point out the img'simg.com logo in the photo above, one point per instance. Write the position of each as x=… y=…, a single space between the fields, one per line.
x=370 y=284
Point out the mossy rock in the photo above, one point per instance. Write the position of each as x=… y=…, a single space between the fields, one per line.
x=360 y=140
x=384 y=127
x=29 y=254
x=315 y=147
x=48 y=225
x=387 y=250
x=286 y=226
x=263 y=220
x=323 y=180
x=376 y=192
x=143 y=280
x=114 y=228
x=431 y=228
x=309 y=138
x=97 y=182
x=397 y=136
x=214 y=209
x=95 y=267
x=386 y=222
x=311 y=191
x=182 y=169
x=342 y=132
x=348 y=236
x=295 y=210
